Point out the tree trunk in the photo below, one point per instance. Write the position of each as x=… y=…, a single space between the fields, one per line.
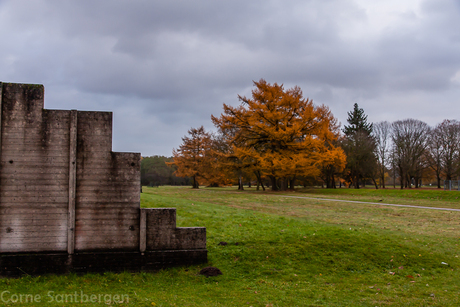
x=240 y=183
x=284 y=184
x=394 y=177
x=375 y=183
x=273 y=183
x=401 y=176
x=292 y=184
x=195 y=183
x=259 y=180
x=356 y=183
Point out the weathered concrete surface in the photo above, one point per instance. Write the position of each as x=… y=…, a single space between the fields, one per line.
x=162 y=233
x=34 y=169
x=62 y=189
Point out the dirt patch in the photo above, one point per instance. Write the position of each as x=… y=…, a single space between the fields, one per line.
x=210 y=271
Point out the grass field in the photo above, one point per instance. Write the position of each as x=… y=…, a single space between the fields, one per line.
x=292 y=252
x=419 y=197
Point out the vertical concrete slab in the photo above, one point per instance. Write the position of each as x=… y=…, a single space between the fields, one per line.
x=107 y=213
x=143 y=231
x=1 y=91
x=72 y=182
x=34 y=172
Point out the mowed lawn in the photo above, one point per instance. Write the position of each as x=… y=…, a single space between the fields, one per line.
x=428 y=197
x=293 y=252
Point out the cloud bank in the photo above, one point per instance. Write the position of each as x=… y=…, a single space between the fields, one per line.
x=163 y=67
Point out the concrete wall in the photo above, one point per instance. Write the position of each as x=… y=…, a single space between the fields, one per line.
x=162 y=233
x=34 y=172
x=107 y=188
x=62 y=189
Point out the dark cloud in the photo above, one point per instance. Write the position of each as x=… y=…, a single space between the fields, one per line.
x=165 y=66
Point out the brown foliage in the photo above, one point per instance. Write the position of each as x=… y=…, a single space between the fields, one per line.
x=282 y=134
x=197 y=157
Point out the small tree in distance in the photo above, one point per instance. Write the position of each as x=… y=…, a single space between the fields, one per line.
x=191 y=156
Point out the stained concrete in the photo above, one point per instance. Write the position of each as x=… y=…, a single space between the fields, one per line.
x=63 y=189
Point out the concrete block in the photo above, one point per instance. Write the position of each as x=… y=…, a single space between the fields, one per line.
x=64 y=192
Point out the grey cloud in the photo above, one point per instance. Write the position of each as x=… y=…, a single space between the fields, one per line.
x=166 y=66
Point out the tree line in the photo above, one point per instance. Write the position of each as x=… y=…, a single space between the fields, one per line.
x=278 y=138
x=155 y=172
x=413 y=151
x=406 y=150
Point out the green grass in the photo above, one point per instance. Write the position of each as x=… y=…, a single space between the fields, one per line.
x=291 y=252
x=417 y=197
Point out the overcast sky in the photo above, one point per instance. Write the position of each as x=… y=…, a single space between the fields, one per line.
x=163 y=67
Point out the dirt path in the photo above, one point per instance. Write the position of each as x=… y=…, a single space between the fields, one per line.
x=371 y=203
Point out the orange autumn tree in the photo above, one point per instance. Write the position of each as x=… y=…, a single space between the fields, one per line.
x=197 y=157
x=283 y=133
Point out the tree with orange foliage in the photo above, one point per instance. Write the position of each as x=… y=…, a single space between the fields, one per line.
x=197 y=157
x=190 y=157
x=283 y=133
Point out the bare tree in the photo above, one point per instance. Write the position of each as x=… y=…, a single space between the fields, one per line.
x=449 y=132
x=435 y=153
x=409 y=138
x=382 y=132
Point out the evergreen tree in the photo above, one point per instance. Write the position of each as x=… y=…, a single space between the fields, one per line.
x=358 y=122
x=359 y=146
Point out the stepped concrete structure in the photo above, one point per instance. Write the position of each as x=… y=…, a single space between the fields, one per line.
x=68 y=203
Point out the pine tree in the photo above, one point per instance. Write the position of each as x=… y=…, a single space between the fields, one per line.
x=358 y=122
x=359 y=147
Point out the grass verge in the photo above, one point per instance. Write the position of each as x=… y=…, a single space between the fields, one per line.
x=286 y=252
